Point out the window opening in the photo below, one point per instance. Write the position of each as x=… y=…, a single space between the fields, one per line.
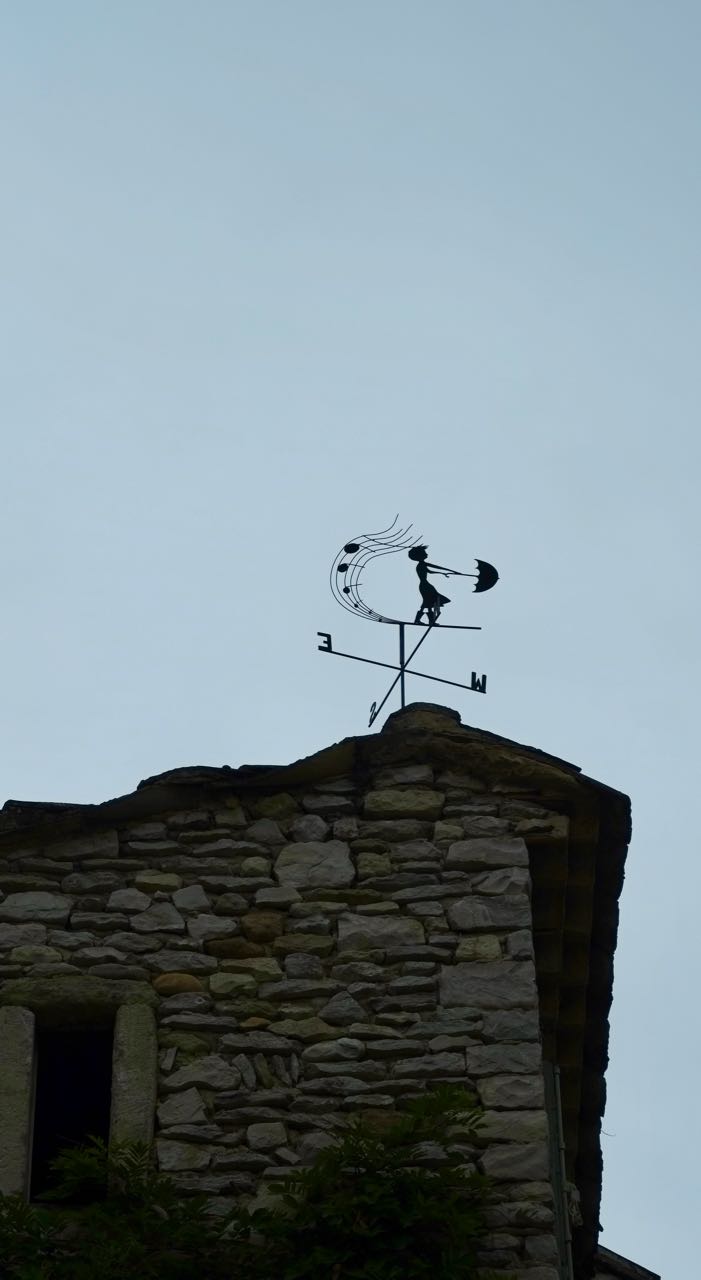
x=73 y=1095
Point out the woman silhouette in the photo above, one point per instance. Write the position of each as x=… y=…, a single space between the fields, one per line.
x=432 y=600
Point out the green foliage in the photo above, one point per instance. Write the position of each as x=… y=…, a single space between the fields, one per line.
x=390 y=1201
x=370 y=1209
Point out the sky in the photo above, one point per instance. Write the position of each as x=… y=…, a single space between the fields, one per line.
x=273 y=273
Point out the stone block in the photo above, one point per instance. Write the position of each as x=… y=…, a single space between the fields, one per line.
x=342 y=1009
x=309 y=826
x=182 y=1108
x=150 y=881
x=505 y=984
x=357 y=932
x=266 y=1136
x=174 y=1156
x=511 y=1092
x=22 y=935
x=343 y=1050
x=229 y=984
x=205 y=927
x=134 y=1069
x=209 y=1072
x=480 y=949
x=128 y=900
x=373 y=864
x=511 y=1025
x=390 y=803
x=262 y=926
x=484 y=915
x=312 y=944
x=485 y=854
x=438 y=1064
x=39 y=908
x=315 y=864
x=514 y=1161
x=308 y=1030
x=180 y=962
x=16 y=1089
x=503 y=1059
x=170 y=984
x=191 y=898
x=161 y=917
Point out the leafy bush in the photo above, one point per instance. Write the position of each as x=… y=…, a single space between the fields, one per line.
x=389 y=1203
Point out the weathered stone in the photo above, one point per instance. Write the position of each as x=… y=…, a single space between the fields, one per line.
x=480 y=824
x=22 y=935
x=258 y=1042
x=128 y=900
x=191 y=898
x=511 y=1161
x=493 y=1059
x=481 y=949
x=33 y=955
x=399 y=1048
x=170 y=984
x=211 y=1072
x=189 y=1001
x=234 y=948
x=266 y=1136
x=41 y=908
x=259 y=967
x=405 y=775
x=180 y=962
x=373 y=864
x=99 y=882
x=227 y=984
x=255 y=866
x=313 y=944
x=409 y=803
x=329 y=806
x=511 y=1025
x=277 y=897
x=343 y=1050
x=99 y=955
x=262 y=926
x=517 y=1092
x=300 y=965
x=358 y=971
x=297 y=989
x=342 y=1009
x=360 y=932
x=204 y=927
x=134 y=1067
x=504 y=984
x=484 y=915
x=513 y=1126
x=484 y=854
x=308 y=1030
x=16 y=1099
x=182 y=1108
x=439 y=1064
x=519 y=945
x=505 y=881
x=152 y=880
x=309 y=826
x=315 y=864
x=161 y=917
x=265 y=831
x=104 y=844
x=231 y=904
x=181 y=1155
x=123 y=940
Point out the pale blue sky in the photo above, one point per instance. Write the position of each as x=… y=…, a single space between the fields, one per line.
x=272 y=272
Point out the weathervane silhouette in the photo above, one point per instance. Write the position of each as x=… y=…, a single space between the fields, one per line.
x=346 y=584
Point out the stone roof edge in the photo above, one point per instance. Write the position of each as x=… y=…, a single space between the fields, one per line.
x=180 y=787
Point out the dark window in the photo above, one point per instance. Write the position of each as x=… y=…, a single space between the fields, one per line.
x=73 y=1091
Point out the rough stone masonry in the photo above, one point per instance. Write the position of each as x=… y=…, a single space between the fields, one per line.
x=309 y=954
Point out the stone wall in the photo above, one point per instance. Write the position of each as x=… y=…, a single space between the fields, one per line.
x=314 y=954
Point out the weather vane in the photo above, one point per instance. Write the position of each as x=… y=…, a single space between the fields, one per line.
x=346 y=586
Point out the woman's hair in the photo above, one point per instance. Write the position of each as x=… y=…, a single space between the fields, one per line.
x=418 y=553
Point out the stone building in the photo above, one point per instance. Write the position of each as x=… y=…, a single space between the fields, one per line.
x=236 y=960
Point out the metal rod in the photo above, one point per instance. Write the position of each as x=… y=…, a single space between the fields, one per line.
x=401 y=661
x=440 y=626
x=393 y=685
x=390 y=666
